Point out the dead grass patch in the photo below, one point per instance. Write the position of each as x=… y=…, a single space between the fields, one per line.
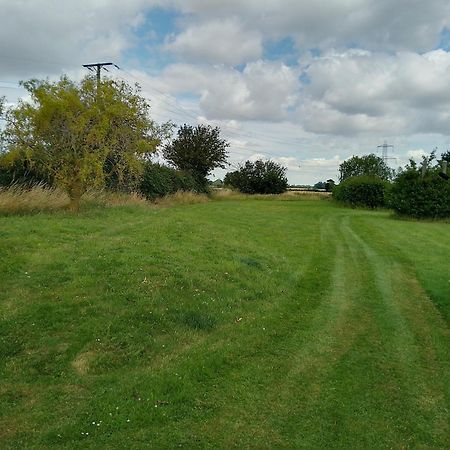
x=182 y=198
x=82 y=362
x=110 y=198
x=229 y=194
x=19 y=199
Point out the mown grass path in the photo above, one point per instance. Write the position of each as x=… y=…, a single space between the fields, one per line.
x=250 y=324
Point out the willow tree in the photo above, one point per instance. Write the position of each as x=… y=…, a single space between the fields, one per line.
x=73 y=131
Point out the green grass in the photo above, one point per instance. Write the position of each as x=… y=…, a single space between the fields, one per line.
x=235 y=323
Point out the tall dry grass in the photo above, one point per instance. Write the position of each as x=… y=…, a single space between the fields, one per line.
x=21 y=200
x=182 y=198
x=110 y=198
x=229 y=194
x=39 y=198
x=18 y=199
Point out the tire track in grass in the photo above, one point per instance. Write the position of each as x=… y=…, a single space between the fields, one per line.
x=414 y=340
x=309 y=387
x=370 y=373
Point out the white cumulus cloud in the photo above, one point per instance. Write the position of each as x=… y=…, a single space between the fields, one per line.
x=264 y=90
x=227 y=41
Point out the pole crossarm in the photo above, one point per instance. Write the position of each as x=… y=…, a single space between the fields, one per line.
x=97 y=67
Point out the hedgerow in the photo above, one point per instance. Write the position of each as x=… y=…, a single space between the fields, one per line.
x=421 y=195
x=365 y=191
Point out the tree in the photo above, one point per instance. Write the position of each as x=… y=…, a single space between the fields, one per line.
x=259 y=177
x=2 y=105
x=446 y=156
x=198 y=150
x=69 y=131
x=370 y=165
x=329 y=185
x=320 y=185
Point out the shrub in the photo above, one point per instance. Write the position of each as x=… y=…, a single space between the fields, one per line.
x=421 y=197
x=259 y=177
x=159 y=181
x=15 y=171
x=363 y=191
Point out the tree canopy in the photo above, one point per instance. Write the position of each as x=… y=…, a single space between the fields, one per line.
x=80 y=133
x=259 y=177
x=370 y=165
x=198 y=150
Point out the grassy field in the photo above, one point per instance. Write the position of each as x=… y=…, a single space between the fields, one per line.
x=232 y=323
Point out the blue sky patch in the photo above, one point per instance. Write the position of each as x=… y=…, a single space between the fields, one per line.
x=151 y=35
x=283 y=49
x=444 y=41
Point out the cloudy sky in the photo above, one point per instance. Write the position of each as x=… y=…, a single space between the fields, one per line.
x=306 y=83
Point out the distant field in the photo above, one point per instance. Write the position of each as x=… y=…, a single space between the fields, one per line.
x=232 y=323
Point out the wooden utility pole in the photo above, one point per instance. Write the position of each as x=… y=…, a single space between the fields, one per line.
x=97 y=67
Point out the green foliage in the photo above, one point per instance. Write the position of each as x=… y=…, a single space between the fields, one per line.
x=320 y=185
x=259 y=177
x=329 y=186
x=72 y=132
x=159 y=181
x=370 y=165
x=217 y=183
x=15 y=170
x=446 y=156
x=420 y=192
x=197 y=150
x=365 y=191
x=326 y=185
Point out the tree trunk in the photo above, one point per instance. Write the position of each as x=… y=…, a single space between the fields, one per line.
x=75 y=192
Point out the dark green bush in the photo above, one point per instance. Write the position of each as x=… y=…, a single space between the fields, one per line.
x=259 y=177
x=365 y=191
x=158 y=181
x=15 y=171
x=420 y=197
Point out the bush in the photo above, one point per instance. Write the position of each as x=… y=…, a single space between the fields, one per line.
x=15 y=172
x=363 y=191
x=421 y=197
x=259 y=177
x=159 y=181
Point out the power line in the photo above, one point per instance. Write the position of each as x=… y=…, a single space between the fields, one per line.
x=186 y=112
x=183 y=112
x=172 y=106
x=180 y=109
